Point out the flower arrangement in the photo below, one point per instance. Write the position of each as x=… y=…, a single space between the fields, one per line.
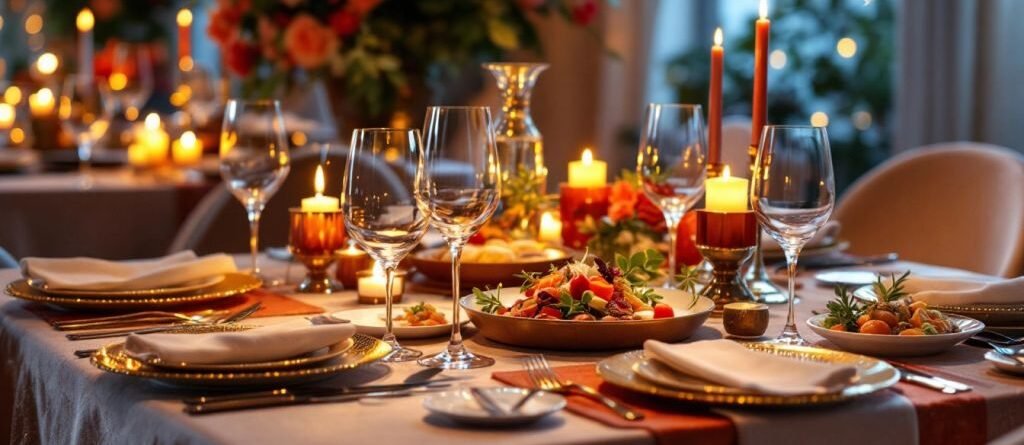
x=635 y=224
x=380 y=52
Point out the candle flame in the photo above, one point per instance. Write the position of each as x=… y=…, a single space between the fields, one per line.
x=588 y=157
x=763 y=9
x=188 y=139
x=718 y=36
x=85 y=21
x=44 y=95
x=6 y=114
x=726 y=172
x=47 y=63
x=152 y=122
x=318 y=180
x=184 y=17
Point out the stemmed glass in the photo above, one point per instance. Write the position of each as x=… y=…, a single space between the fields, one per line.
x=131 y=78
x=459 y=187
x=380 y=212
x=671 y=165
x=85 y=111
x=792 y=193
x=254 y=158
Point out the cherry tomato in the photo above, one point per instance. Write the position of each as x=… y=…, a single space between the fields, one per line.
x=578 y=285
x=912 y=331
x=601 y=288
x=878 y=327
x=662 y=310
x=888 y=317
x=838 y=327
x=550 y=311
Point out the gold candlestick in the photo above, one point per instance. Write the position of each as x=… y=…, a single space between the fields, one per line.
x=314 y=239
x=725 y=239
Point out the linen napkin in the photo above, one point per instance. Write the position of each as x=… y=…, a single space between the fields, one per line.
x=824 y=236
x=268 y=343
x=961 y=291
x=99 y=275
x=731 y=364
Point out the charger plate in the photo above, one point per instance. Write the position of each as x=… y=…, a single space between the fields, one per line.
x=232 y=284
x=316 y=357
x=873 y=375
x=1002 y=315
x=191 y=286
x=363 y=351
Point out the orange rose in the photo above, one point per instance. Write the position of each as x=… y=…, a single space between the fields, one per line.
x=308 y=42
x=622 y=201
x=224 y=23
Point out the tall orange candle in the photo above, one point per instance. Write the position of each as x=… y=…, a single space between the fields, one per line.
x=760 y=111
x=715 y=101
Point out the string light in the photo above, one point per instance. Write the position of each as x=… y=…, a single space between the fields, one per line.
x=33 y=24
x=819 y=119
x=862 y=120
x=777 y=59
x=846 y=47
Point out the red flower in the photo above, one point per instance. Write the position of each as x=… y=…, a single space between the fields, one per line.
x=584 y=11
x=309 y=43
x=650 y=214
x=240 y=57
x=224 y=23
x=345 y=22
x=622 y=201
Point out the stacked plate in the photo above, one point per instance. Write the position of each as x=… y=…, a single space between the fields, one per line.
x=209 y=289
x=635 y=372
x=352 y=353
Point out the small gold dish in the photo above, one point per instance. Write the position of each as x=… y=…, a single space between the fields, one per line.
x=745 y=319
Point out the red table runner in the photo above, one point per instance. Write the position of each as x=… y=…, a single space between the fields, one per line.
x=941 y=418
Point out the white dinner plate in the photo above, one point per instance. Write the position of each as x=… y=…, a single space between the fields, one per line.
x=183 y=288
x=460 y=406
x=897 y=345
x=370 y=321
x=1005 y=363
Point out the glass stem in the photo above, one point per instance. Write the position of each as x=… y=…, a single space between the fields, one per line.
x=791 y=259
x=389 y=280
x=254 y=236
x=672 y=222
x=455 y=342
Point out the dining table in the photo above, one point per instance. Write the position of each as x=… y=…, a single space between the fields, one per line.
x=47 y=395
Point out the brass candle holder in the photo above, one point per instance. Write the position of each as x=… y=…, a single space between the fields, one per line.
x=726 y=240
x=315 y=238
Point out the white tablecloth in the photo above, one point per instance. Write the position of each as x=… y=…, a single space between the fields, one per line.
x=59 y=399
x=121 y=216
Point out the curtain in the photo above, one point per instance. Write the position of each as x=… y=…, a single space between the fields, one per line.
x=959 y=73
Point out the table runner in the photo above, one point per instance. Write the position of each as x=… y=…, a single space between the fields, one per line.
x=906 y=414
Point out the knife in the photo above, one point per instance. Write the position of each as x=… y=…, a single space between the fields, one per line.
x=927 y=382
x=322 y=392
x=961 y=387
x=266 y=402
x=486 y=402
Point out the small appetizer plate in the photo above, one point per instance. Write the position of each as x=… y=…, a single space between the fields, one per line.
x=462 y=407
x=1004 y=363
x=370 y=321
x=897 y=345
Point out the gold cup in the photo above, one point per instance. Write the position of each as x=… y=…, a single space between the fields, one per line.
x=745 y=319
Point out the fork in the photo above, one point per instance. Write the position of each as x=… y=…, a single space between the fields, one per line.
x=1007 y=352
x=138 y=320
x=211 y=320
x=544 y=378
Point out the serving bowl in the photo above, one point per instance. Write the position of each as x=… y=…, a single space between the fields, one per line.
x=897 y=345
x=428 y=263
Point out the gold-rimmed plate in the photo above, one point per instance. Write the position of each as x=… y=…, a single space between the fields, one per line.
x=873 y=375
x=183 y=288
x=364 y=350
x=314 y=358
x=989 y=314
x=232 y=284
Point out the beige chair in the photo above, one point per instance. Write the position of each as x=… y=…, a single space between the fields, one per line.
x=7 y=261
x=958 y=204
x=218 y=223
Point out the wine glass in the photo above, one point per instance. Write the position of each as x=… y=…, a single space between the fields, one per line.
x=792 y=193
x=131 y=78
x=384 y=221
x=85 y=111
x=458 y=185
x=671 y=165
x=254 y=158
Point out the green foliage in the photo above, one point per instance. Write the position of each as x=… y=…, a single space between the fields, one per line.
x=893 y=291
x=570 y=306
x=843 y=310
x=647 y=295
x=489 y=303
x=687 y=280
x=641 y=267
x=605 y=238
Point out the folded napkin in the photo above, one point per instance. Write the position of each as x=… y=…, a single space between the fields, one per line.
x=731 y=364
x=275 y=342
x=101 y=275
x=960 y=291
x=824 y=236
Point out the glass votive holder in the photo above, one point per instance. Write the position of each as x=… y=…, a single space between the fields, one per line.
x=372 y=283
x=351 y=261
x=314 y=238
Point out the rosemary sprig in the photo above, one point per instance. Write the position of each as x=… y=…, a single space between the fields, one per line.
x=489 y=303
x=687 y=280
x=894 y=291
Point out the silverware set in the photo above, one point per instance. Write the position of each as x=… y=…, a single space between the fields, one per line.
x=544 y=378
x=306 y=396
x=106 y=327
x=930 y=381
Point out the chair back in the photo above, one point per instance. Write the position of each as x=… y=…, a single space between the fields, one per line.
x=958 y=204
x=7 y=261
x=218 y=223
x=735 y=143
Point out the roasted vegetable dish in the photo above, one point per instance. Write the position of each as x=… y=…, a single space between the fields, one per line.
x=893 y=312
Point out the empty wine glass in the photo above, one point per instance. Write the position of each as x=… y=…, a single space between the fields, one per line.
x=380 y=210
x=85 y=112
x=671 y=165
x=131 y=78
x=792 y=193
x=458 y=186
x=254 y=159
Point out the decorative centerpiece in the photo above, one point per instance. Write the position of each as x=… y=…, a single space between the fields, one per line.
x=726 y=235
x=317 y=232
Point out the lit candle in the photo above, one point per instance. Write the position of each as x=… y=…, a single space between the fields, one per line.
x=726 y=194
x=138 y=155
x=6 y=116
x=550 y=228
x=187 y=150
x=85 y=22
x=715 y=101
x=760 y=110
x=350 y=262
x=47 y=64
x=184 y=20
x=154 y=139
x=587 y=172
x=319 y=203
x=371 y=286
x=41 y=102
